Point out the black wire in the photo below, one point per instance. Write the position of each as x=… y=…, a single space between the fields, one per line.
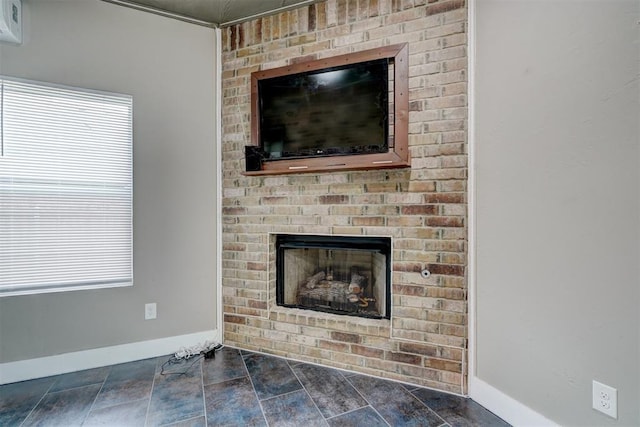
x=174 y=361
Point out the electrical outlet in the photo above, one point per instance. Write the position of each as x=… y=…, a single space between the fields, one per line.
x=150 y=311
x=605 y=399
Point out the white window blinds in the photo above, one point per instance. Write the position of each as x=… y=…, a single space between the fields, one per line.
x=65 y=188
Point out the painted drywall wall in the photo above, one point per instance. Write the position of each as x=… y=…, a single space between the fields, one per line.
x=558 y=219
x=168 y=66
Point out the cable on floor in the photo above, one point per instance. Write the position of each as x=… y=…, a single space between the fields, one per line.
x=199 y=352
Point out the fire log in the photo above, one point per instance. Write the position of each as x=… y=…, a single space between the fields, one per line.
x=313 y=281
x=357 y=284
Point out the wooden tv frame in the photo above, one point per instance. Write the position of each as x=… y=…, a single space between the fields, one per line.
x=396 y=157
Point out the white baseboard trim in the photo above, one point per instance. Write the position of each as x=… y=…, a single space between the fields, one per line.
x=506 y=407
x=87 y=359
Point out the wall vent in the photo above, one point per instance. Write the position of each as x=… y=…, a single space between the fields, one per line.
x=11 y=21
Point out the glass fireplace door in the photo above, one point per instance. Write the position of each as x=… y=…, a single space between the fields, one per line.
x=336 y=274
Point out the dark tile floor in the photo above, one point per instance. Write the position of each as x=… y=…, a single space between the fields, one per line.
x=234 y=389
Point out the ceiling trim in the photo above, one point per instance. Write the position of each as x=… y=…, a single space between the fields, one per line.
x=267 y=13
x=164 y=13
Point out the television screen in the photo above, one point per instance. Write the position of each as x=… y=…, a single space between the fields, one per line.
x=341 y=110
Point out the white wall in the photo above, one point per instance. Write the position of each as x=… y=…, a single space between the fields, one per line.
x=168 y=67
x=557 y=204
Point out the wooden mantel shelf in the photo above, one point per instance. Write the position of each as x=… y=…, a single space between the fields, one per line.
x=326 y=164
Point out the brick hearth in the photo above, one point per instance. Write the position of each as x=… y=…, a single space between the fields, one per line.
x=422 y=208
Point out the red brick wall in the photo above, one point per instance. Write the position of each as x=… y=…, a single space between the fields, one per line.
x=422 y=208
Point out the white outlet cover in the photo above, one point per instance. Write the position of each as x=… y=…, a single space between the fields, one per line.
x=150 y=311
x=605 y=399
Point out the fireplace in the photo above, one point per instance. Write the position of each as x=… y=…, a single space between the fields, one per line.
x=345 y=275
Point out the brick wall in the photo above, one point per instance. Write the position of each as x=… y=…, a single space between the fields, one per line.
x=422 y=208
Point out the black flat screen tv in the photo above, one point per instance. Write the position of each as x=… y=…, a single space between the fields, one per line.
x=346 y=112
x=340 y=110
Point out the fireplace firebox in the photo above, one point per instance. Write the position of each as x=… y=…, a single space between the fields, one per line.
x=346 y=275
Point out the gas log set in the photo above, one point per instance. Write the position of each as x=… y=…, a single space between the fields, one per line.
x=342 y=292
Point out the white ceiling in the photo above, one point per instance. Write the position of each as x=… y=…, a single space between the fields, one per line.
x=213 y=12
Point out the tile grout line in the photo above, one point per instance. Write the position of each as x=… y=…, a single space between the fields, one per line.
x=357 y=409
x=444 y=422
x=36 y=405
x=366 y=400
x=253 y=386
x=187 y=376
x=224 y=381
x=307 y=393
x=153 y=385
x=204 y=397
x=96 y=398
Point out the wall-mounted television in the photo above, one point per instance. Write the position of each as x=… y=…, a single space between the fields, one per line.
x=335 y=111
x=345 y=112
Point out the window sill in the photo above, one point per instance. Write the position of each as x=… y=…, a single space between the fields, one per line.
x=57 y=289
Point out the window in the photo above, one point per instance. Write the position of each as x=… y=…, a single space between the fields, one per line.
x=65 y=188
